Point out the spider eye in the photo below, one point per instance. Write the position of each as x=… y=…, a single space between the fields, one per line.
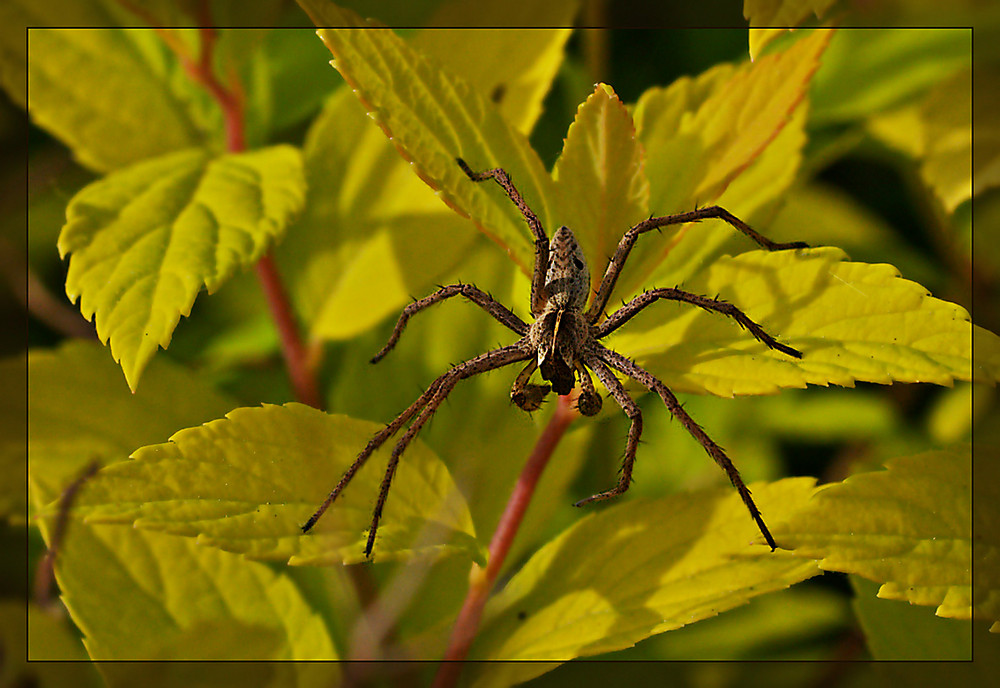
x=578 y=263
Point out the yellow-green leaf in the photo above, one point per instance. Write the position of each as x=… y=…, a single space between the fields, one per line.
x=737 y=123
x=701 y=135
x=513 y=67
x=910 y=528
x=634 y=570
x=144 y=240
x=896 y=630
x=79 y=412
x=937 y=131
x=599 y=176
x=112 y=95
x=851 y=321
x=433 y=117
x=780 y=14
x=751 y=196
x=248 y=482
x=141 y=595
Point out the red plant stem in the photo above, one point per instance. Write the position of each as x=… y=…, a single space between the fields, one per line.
x=301 y=368
x=481 y=581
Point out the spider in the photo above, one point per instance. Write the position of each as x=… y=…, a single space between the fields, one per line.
x=563 y=344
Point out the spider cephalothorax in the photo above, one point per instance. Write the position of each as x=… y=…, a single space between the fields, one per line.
x=562 y=344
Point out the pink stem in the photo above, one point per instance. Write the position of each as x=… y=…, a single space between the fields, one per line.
x=301 y=367
x=481 y=581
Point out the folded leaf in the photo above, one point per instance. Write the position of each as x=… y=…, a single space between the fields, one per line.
x=634 y=570
x=147 y=238
x=909 y=528
x=248 y=482
x=851 y=321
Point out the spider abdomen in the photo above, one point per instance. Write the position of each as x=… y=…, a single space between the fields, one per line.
x=567 y=280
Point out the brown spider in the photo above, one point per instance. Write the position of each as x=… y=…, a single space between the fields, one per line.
x=563 y=343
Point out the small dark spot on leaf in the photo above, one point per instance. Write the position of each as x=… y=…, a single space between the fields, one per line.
x=499 y=91
x=522 y=615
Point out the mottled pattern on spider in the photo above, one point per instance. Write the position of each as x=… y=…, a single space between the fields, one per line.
x=562 y=344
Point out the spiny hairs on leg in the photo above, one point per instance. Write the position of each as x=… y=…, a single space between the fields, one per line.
x=501 y=177
x=625 y=244
x=653 y=384
x=500 y=313
x=425 y=406
x=491 y=360
x=634 y=414
x=373 y=444
x=633 y=307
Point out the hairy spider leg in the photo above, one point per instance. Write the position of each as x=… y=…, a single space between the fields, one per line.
x=633 y=307
x=631 y=410
x=653 y=384
x=374 y=443
x=491 y=360
x=589 y=402
x=628 y=240
x=499 y=312
x=474 y=294
x=500 y=176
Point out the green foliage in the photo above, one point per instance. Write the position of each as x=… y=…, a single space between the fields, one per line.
x=823 y=305
x=619 y=576
x=393 y=224
x=80 y=412
x=204 y=483
x=783 y=14
x=187 y=543
x=146 y=239
x=926 y=638
x=140 y=113
x=909 y=528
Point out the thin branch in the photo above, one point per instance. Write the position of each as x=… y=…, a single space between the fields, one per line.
x=481 y=581
x=301 y=364
x=301 y=370
x=44 y=572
